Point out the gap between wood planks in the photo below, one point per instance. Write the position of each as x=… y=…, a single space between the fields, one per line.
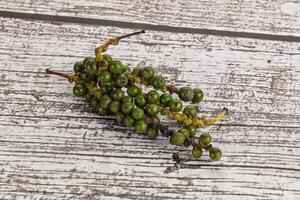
x=134 y=25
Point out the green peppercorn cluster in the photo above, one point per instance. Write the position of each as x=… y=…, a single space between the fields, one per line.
x=112 y=88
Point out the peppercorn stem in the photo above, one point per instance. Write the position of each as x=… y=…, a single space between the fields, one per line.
x=71 y=78
x=131 y=34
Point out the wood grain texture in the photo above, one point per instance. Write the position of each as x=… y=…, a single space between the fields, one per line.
x=263 y=16
x=53 y=147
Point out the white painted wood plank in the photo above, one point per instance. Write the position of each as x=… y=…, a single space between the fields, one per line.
x=52 y=146
x=263 y=16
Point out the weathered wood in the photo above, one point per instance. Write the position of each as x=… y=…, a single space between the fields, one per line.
x=52 y=145
x=272 y=16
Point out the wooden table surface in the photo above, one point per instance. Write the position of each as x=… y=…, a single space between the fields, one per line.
x=244 y=54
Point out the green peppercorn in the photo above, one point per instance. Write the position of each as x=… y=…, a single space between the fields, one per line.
x=192 y=130
x=198 y=95
x=121 y=81
x=105 y=101
x=120 y=116
x=164 y=99
x=116 y=67
x=84 y=76
x=152 y=110
x=94 y=102
x=215 y=153
x=148 y=73
x=107 y=87
x=205 y=139
x=101 y=111
x=88 y=96
x=175 y=105
x=137 y=113
x=103 y=64
x=133 y=90
x=137 y=70
x=114 y=106
x=177 y=139
x=118 y=94
x=127 y=107
x=152 y=97
x=196 y=152
x=127 y=99
x=104 y=77
x=91 y=68
x=79 y=90
x=129 y=121
x=190 y=111
x=140 y=100
x=185 y=132
x=107 y=57
x=155 y=119
x=158 y=82
x=186 y=93
x=86 y=60
x=141 y=126
x=126 y=69
x=78 y=67
x=152 y=133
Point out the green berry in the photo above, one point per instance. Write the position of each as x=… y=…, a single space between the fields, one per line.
x=177 y=139
x=155 y=119
x=126 y=69
x=141 y=126
x=140 y=100
x=152 y=97
x=127 y=99
x=121 y=81
x=152 y=110
x=91 y=67
x=118 y=94
x=185 y=132
x=192 y=130
x=84 y=76
x=101 y=111
x=198 y=95
x=186 y=93
x=205 y=139
x=190 y=111
x=158 y=82
x=133 y=90
x=215 y=154
x=164 y=99
x=127 y=107
x=196 y=152
x=114 y=106
x=152 y=133
x=79 y=90
x=137 y=113
x=94 y=102
x=88 y=96
x=105 y=101
x=137 y=70
x=107 y=57
x=175 y=105
x=107 y=88
x=104 y=77
x=120 y=116
x=86 y=60
x=78 y=67
x=148 y=73
x=129 y=121
x=116 y=67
